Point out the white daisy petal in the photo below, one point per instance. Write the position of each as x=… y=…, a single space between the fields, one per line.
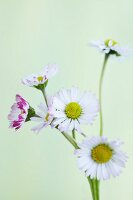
x=77 y=126
x=42 y=107
x=36 y=119
x=38 y=128
x=58 y=121
x=105 y=174
x=45 y=118
x=99 y=172
x=58 y=104
x=64 y=126
x=72 y=125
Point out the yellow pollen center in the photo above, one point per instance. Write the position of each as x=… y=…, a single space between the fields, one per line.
x=73 y=110
x=102 y=153
x=113 y=42
x=47 y=117
x=40 y=78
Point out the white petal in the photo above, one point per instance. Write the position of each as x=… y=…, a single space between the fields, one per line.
x=59 y=114
x=58 y=104
x=104 y=172
x=37 y=119
x=99 y=172
x=38 y=127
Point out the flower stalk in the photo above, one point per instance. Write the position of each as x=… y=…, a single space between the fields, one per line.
x=94 y=184
x=70 y=139
x=44 y=95
x=100 y=91
x=73 y=134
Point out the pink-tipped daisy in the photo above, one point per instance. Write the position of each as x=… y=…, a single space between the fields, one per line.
x=18 y=113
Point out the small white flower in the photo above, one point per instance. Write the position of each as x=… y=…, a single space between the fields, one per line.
x=72 y=108
x=111 y=47
x=99 y=158
x=41 y=78
x=44 y=118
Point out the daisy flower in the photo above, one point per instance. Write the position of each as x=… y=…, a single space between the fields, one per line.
x=35 y=80
x=99 y=158
x=18 y=113
x=111 y=47
x=44 y=118
x=72 y=108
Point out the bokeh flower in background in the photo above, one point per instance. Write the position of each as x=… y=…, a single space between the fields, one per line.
x=111 y=47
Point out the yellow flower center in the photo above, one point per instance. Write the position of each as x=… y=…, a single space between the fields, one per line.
x=73 y=110
x=40 y=78
x=113 y=42
x=102 y=153
x=47 y=117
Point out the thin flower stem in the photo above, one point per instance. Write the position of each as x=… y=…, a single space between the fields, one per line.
x=70 y=139
x=73 y=134
x=100 y=92
x=91 y=186
x=45 y=97
x=95 y=186
x=73 y=142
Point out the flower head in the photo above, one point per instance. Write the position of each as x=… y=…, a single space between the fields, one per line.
x=18 y=113
x=41 y=79
x=99 y=158
x=72 y=108
x=44 y=118
x=111 y=47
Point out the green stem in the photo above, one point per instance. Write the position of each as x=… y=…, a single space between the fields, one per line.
x=44 y=95
x=70 y=139
x=95 y=186
x=91 y=186
x=100 y=92
x=73 y=134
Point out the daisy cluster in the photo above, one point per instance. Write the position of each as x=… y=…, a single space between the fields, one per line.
x=67 y=111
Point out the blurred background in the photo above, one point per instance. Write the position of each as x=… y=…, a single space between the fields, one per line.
x=34 y=33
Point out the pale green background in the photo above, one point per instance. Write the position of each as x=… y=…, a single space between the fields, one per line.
x=32 y=34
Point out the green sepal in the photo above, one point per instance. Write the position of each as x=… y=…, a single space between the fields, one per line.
x=112 y=52
x=31 y=113
x=42 y=86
